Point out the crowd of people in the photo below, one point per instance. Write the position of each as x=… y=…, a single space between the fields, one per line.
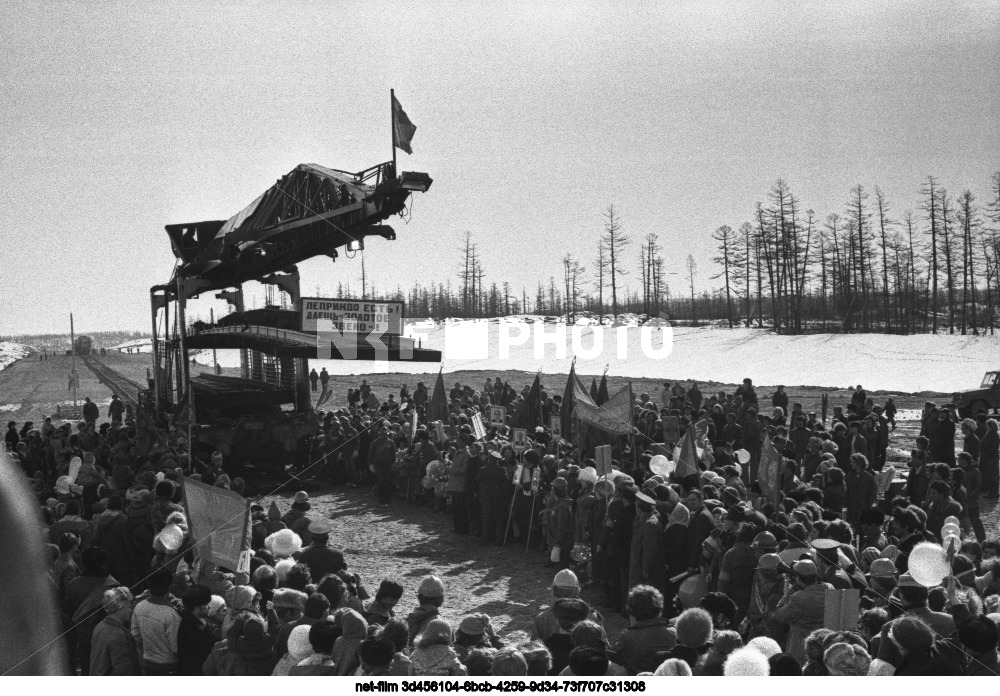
x=714 y=574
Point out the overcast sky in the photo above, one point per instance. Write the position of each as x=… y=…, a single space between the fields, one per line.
x=120 y=118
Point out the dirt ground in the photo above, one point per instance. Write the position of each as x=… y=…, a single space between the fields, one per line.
x=405 y=541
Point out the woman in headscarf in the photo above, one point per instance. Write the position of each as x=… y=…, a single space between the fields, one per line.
x=345 y=649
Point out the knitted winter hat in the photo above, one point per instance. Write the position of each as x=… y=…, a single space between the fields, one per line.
x=436 y=630
x=474 y=624
x=431 y=586
x=746 y=662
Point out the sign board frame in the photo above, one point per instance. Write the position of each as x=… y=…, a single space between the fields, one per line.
x=520 y=441
x=498 y=416
x=602 y=460
x=671 y=429
x=351 y=315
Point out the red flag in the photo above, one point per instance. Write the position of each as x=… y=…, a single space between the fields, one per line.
x=403 y=128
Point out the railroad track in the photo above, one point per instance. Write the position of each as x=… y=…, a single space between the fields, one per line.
x=121 y=385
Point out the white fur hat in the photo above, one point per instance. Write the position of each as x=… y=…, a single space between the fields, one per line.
x=746 y=662
x=283 y=543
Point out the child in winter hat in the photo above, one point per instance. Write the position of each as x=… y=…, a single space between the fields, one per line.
x=433 y=654
x=345 y=649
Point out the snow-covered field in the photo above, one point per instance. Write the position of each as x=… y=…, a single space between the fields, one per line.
x=919 y=363
x=9 y=352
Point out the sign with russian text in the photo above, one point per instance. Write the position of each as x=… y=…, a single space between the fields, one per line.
x=352 y=316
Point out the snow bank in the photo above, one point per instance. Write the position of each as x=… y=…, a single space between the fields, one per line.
x=939 y=363
x=138 y=345
x=9 y=352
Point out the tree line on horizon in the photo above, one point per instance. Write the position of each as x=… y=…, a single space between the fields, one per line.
x=864 y=269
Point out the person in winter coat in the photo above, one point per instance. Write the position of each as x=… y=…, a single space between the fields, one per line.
x=140 y=523
x=430 y=598
x=380 y=610
x=345 y=649
x=155 y=624
x=112 y=651
x=195 y=638
x=84 y=600
x=736 y=573
x=942 y=437
x=647 y=565
x=861 y=489
x=801 y=607
x=675 y=549
x=296 y=518
x=940 y=506
x=699 y=528
x=494 y=494
x=322 y=638
x=767 y=590
x=455 y=488
x=974 y=489
x=989 y=459
x=382 y=457
x=113 y=534
x=433 y=655
x=299 y=648
x=562 y=527
x=640 y=645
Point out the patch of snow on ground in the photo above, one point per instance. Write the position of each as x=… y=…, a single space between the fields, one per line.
x=138 y=345
x=941 y=363
x=10 y=352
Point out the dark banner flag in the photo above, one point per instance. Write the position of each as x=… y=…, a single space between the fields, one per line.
x=219 y=523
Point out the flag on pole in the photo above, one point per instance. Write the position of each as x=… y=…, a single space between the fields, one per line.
x=593 y=391
x=687 y=460
x=219 y=522
x=602 y=391
x=437 y=409
x=403 y=128
x=769 y=472
x=324 y=395
x=529 y=412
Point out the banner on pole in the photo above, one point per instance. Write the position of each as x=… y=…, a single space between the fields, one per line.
x=219 y=523
x=413 y=425
x=555 y=424
x=439 y=429
x=478 y=427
